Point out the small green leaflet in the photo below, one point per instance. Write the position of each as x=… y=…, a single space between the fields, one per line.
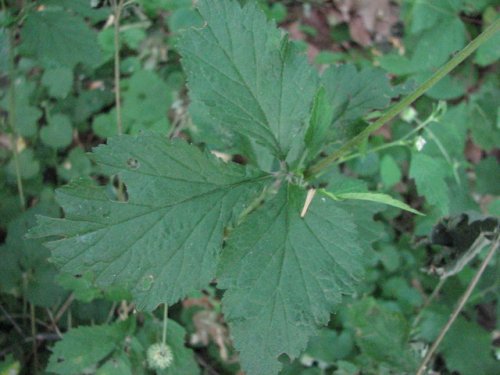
x=351 y=94
x=85 y=346
x=430 y=176
x=284 y=275
x=162 y=243
x=372 y=197
x=250 y=77
x=382 y=335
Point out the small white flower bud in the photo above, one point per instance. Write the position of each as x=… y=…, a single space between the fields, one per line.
x=409 y=114
x=420 y=143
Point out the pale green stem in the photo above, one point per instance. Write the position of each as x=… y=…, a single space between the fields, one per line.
x=165 y=323
x=117 y=9
x=400 y=142
x=399 y=107
x=443 y=151
x=12 y=122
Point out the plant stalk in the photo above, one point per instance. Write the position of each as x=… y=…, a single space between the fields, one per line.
x=459 y=307
x=117 y=10
x=165 y=322
x=33 y=334
x=12 y=121
x=399 y=107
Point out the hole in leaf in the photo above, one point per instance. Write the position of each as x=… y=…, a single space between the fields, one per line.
x=133 y=163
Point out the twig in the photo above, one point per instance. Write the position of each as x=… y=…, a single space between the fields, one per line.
x=206 y=365
x=64 y=307
x=111 y=312
x=33 y=334
x=479 y=244
x=54 y=324
x=459 y=307
x=117 y=10
x=38 y=337
x=12 y=120
x=12 y=321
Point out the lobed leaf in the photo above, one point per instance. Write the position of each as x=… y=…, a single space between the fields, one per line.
x=165 y=240
x=284 y=275
x=252 y=80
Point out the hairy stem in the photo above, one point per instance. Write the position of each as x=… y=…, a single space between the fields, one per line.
x=459 y=307
x=399 y=107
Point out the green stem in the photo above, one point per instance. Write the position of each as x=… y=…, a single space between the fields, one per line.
x=33 y=334
x=117 y=8
x=12 y=121
x=400 y=142
x=165 y=322
x=399 y=107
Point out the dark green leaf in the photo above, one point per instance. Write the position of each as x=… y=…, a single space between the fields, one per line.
x=57 y=38
x=252 y=80
x=164 y=241
x=284 y=275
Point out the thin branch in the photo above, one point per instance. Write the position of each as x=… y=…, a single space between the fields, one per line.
x=12 y=120
x=399 y=107
x=33 y=334
x=117 y=10
x=64 y=307
x=12 y=321
x=165 y=323
x=54 y=324
x=459 y=307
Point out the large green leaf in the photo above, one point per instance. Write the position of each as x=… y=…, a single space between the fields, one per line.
x=252 y=80
x=284 y=275
x=58 y=38
x=164 y=241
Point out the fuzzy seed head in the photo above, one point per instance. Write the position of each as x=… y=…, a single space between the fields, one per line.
x=159 y=356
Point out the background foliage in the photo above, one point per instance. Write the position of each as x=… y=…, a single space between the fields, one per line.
x=57 y=102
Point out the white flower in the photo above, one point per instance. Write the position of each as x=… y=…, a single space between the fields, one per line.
x=159 y=356
x=409 y=114
x=420 y=143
